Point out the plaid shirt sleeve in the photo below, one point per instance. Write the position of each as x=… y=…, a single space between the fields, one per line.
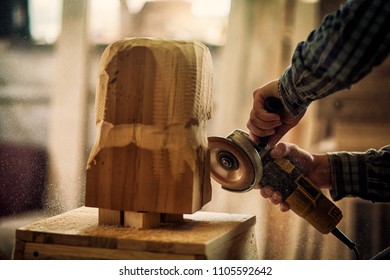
x=341 y=51
x=365 y=175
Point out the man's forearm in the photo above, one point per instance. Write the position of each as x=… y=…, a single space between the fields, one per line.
x=341 y=51
x=365 y=175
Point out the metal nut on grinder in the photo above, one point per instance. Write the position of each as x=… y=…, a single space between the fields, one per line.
x=235 y=162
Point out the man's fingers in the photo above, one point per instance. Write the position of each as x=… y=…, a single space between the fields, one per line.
x=279 y=151
x=267 y=192
x=276 y=198
x=284 y=207
x=261 y=127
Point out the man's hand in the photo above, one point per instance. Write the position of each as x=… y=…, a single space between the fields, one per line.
x=315 y=167
x=262 y=123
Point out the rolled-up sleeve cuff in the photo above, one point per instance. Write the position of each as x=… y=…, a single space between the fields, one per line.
x=347 y=170
x=291 y=99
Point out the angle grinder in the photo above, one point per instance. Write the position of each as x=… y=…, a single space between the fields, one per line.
x=239 y=165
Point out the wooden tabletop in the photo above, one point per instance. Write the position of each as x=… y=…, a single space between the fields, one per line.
x=199 y=233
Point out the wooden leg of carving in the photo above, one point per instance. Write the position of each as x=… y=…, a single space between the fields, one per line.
x=138 y=220
x=142 y=220
x=110 y=217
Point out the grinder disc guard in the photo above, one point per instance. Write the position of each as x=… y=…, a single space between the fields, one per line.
x=234 y=162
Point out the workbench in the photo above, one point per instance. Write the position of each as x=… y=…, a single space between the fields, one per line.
x=77 y=235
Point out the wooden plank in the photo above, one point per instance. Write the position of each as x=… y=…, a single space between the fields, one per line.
x=242 y=246
x=199 y=234
x=19 y=248
x=39 y=251
x=153 y=101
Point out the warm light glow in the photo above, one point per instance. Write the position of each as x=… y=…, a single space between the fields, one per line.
x=310 y=1
x=214 y=8
x=134 y=6
x=208 y=20
x=105 y=20
x=45 y=20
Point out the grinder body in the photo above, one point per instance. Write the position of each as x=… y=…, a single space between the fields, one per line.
x=300 y=193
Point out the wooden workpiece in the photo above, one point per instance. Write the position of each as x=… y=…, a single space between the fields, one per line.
x=77 y=235
x=149 y=171
x=153 y=101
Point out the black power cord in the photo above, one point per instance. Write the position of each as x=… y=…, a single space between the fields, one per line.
x=343 y=238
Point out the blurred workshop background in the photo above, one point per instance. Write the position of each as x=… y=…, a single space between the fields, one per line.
x=49 y=54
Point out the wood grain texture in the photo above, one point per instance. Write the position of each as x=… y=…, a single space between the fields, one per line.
x=153 y=101
x=77 y=235
x=110 y=217
x=141 y=220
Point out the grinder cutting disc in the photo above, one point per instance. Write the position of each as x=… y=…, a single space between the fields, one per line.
x=234 y=162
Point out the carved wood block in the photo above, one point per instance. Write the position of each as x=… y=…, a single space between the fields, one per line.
x=153 y=102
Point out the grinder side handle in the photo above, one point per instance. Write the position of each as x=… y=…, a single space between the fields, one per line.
x=271 y=105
